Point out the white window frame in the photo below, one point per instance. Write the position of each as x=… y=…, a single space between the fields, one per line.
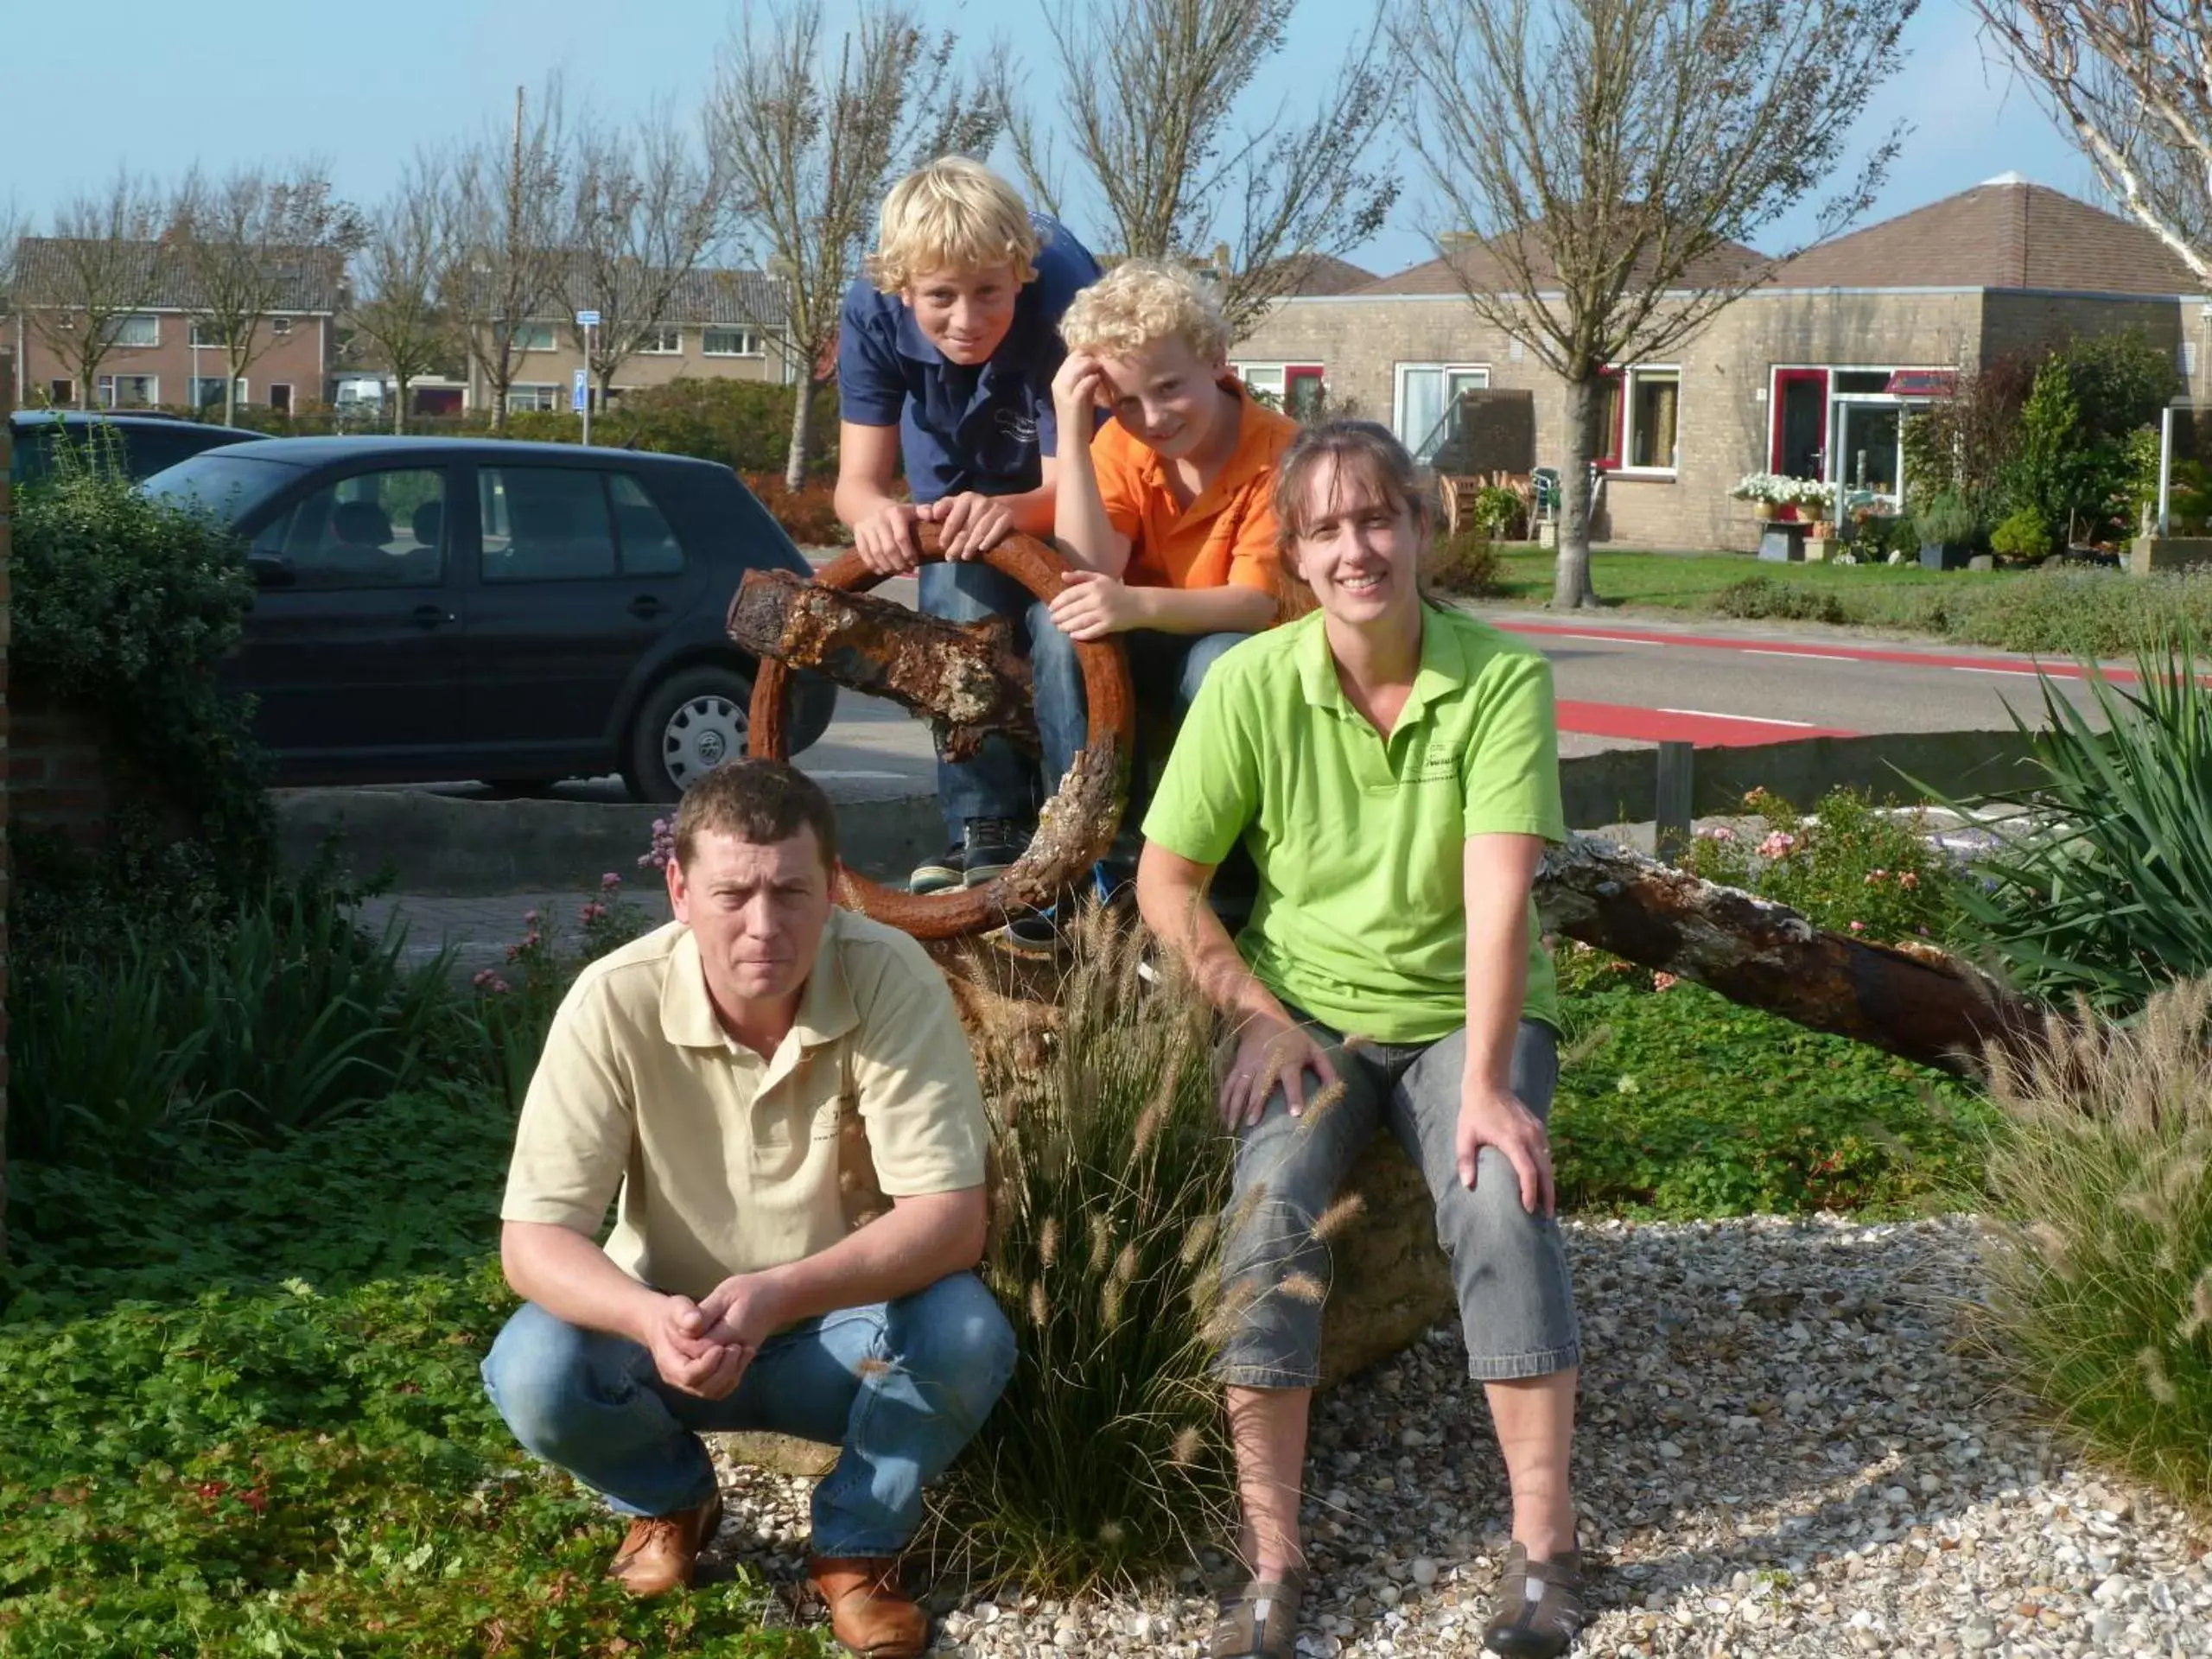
x=284 y=386
x=206 y=343
x=663 y=339
x=751 y=341
x=280 y=326
x=153 y=321
x=1444 y=370
x=1270 y=377
x=542 y=396
x=1630 y=376
x=105 y=390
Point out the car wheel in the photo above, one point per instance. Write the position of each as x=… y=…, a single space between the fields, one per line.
x=688 y=725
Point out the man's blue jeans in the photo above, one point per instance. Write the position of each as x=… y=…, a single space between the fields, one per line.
x=900 y=1386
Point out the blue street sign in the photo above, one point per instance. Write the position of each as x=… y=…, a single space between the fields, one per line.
x=587 y=319
x=579 y=393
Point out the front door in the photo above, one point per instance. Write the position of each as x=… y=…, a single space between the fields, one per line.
x=1799 y=448
x=354 y=647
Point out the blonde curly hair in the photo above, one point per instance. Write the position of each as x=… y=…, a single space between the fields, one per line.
x=1141 y=303
x=954 y=214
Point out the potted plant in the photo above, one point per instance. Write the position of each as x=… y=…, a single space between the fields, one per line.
x=1947 y=530
x=1760 y=489
x=1815 y=503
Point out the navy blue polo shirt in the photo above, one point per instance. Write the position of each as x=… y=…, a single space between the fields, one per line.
x=981 y=427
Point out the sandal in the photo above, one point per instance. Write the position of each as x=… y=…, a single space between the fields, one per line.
x=1261 y=1621
x=1540 y=1606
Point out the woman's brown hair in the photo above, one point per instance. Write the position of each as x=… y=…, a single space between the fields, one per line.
x=1362 y=450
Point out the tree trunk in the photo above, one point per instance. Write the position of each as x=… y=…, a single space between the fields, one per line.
x=230 y=390
x=802 y=449
x=401 y=382
x=1571 y=586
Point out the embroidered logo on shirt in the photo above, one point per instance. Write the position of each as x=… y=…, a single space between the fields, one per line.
x=1019 y=427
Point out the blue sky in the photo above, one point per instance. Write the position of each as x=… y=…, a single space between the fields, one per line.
x=226 y=81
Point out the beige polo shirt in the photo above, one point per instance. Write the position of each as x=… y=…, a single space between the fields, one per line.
x=724 y=1162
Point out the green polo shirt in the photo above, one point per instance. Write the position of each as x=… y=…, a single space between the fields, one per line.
x=1362 y=916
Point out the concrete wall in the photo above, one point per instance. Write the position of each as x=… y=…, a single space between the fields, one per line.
x=1724 y=416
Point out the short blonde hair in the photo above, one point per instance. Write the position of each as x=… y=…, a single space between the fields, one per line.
x=1141 y=303
x=954 y=214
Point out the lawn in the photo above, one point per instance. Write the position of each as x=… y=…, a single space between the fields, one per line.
x=1692 y=581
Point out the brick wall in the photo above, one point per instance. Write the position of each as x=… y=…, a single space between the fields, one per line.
x=57 y=775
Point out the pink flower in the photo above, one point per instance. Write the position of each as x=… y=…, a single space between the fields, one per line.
x=1874 y=878
x=533 y=939
x=1722 y=832
x=1779 y=844
x=1858 y=927
x=592 y=912
x=1908 y=880
x=530 y=918
x=488 y=980
x=609 y=882
x=1665 y=982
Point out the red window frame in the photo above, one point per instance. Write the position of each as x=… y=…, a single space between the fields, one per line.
x=1613 y=384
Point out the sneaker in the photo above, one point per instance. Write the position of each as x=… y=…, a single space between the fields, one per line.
x=992 y=844
x=1035 y=929
x=936 y=874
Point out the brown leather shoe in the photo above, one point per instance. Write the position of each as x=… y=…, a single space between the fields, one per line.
x=868 y=1612
x=660 y=1551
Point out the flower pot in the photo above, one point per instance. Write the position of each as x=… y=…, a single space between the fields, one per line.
x=1945 y=556
x=1765 y=510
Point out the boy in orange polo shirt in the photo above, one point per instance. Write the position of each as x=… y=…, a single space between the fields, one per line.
x=1168 y=517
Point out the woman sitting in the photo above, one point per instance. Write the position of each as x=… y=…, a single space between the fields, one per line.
x=1392 y=768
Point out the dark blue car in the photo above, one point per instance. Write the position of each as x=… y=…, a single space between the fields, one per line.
x=141 y=445
x=434 y=608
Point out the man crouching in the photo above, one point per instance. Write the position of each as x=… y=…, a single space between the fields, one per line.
x=712 y=1071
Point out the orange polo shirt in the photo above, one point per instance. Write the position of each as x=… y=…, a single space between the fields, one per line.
x=1226 y=536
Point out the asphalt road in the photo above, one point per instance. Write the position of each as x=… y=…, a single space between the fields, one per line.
x=1621 y=682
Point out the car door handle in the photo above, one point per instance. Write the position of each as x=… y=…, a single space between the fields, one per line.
x=645 y=607
x=431 y=616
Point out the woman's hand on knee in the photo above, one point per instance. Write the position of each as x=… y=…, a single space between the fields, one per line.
x=1490 y=1116
x=1272 y=1052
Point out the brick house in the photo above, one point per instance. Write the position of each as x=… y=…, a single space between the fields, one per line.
x=717 y=331
x=1810 y=374
x=163 y=357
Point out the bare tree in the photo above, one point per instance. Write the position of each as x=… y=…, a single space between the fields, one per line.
x=644 y=208
x=396 y=311
x=504 y=198
x=2130 y=77
x=253 y=244
x=1603 y=165
x=105 y=261
x=809 y=147
x=1158 y=125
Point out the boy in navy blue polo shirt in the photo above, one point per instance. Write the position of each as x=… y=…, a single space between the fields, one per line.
x=945 y=357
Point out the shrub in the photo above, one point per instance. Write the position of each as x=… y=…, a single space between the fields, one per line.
x=809 y=517
x=125 y=607
x=2099 y=1301
x=2087 y=612
x=1465 y=565
x=2023 y=534
x=1106 y=1456
x=1851 y=867
x=1500 y=513
x=1945 y=521
x=284 y=1018
x=2109 y=896
x=1765 y=596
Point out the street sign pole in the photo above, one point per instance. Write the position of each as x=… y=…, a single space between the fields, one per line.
x=580 y=393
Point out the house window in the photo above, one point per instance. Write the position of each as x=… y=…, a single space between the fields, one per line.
x=524 y=399
x=206 y=332
x=1426 y=401
x=732 y=342
x=661 y=340
x=207 y=391
x=139 y=330
x=534 y=337
x=129 y=390
x=280 y=398
x=1295 y=388
x=280 y=326
x=1654 y=400
x=61 y=391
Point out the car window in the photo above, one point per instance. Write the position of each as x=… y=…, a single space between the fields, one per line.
x=152 y=452
x=544 y=523
x=373 y=529
x=649 y=546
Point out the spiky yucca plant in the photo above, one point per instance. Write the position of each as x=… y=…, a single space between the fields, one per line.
x=1107 y=1455
x=2101 y=1281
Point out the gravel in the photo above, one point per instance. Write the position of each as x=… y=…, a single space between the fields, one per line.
x=1782 y=1450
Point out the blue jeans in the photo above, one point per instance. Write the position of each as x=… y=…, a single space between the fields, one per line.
x=899 y=1386
x=1000 y=782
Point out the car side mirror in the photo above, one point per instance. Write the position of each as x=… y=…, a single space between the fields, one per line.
x=269 y=571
